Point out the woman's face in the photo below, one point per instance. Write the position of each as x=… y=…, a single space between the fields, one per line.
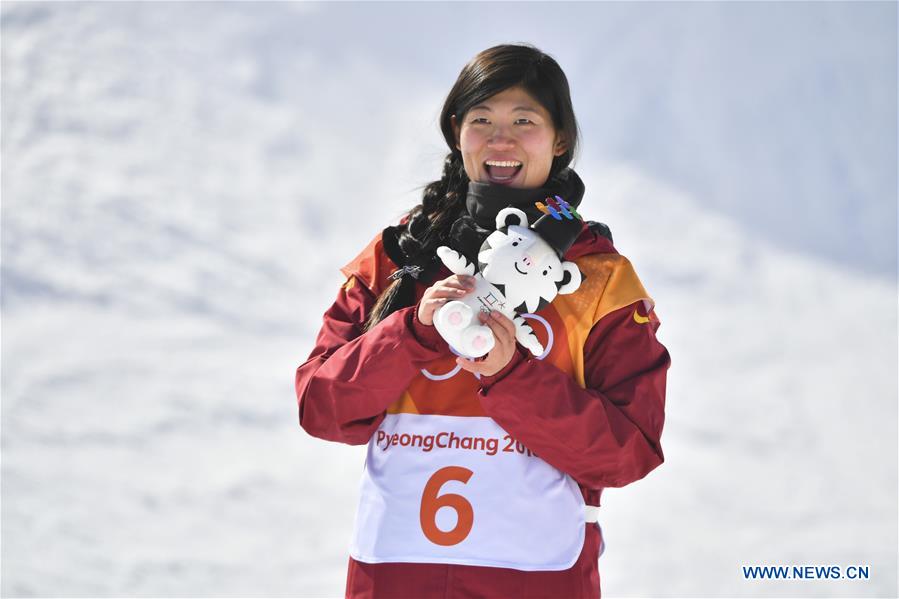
x=508 y=127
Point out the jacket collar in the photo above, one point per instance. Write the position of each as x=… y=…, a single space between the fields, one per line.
x=590 y=241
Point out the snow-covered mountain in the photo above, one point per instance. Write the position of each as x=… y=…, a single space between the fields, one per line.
x=181 y=182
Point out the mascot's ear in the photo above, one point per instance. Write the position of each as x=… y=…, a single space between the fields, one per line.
x=571 y=278
x=511 y=216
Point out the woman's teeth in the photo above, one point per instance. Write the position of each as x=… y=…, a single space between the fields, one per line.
x=502 y=170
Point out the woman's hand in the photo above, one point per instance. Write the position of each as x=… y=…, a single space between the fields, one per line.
x=450 y=288
x=502 y=352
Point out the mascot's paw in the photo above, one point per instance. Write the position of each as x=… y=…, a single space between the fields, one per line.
x=476 y=341
x=534 y=346
x=446 y=254
x=454 y=316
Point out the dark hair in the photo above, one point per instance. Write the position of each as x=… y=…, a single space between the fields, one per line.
x=430 y=224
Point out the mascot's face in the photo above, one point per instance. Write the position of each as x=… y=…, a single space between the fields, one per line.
x=523 y=266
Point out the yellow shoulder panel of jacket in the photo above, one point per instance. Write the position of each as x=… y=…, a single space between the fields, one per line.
x=611 y=283
x=371 y=267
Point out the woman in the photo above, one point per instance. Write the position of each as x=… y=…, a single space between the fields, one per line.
x=483 y=477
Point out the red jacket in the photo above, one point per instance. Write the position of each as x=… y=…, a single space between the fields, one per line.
x=605 y=435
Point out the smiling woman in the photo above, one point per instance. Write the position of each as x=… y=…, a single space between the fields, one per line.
x=438 y=519
x=509 y=139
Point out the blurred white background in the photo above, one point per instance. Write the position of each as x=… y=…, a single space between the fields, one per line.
x=181 y=183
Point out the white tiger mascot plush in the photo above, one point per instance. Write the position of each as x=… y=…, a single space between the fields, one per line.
x=518 y=272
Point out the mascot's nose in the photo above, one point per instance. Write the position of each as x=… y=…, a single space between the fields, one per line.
x=526 y=259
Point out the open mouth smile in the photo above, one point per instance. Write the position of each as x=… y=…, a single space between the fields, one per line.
x=502 y=171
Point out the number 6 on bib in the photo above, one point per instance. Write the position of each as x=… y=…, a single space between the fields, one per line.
x=431 y=503
x=409 y=496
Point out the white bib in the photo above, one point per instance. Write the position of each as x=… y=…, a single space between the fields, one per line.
x=460 y=490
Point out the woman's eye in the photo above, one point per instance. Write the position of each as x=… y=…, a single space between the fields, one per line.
x=481 y=119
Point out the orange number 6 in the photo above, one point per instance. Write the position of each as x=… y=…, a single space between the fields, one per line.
x=431 y=502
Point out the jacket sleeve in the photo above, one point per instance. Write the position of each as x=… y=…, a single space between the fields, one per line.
x=350 y=379
x=607 y=434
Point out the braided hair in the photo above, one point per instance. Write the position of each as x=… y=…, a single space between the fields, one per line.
x=414 y=243
x=442 y=216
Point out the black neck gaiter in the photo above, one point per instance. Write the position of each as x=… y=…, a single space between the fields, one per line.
x=485 y=200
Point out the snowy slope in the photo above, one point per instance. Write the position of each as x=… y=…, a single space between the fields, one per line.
x=780 y=434
x=181 y=183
